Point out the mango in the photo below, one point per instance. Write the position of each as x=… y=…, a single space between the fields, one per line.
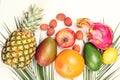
x=93 y=57
x=46 y=52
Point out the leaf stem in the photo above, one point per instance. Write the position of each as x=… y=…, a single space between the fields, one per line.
x=84 y=74
x=44 y=73
x=52 y=72
x=3 y=36
x=116 y=40
x=116 y=28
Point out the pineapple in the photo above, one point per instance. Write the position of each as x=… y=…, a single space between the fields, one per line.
x=20 y=46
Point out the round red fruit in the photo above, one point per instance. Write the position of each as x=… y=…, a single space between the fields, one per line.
x=65 y=37
x=53 y=23
x=60 y=16
x=44 y=26
x=50 y=31
x=68 y=21
x=79 y=35
x=76 y=47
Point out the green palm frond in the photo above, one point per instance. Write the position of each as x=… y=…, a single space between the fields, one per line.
x=32 y=72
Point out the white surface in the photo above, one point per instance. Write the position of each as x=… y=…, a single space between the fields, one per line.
x=95 y=10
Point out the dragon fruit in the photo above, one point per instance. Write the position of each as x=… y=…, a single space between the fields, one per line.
x=101 y=36
x=84 y=22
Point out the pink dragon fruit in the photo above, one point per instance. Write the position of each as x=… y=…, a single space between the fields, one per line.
x=101 y=36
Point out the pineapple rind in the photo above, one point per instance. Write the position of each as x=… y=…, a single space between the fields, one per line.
x=19 y=49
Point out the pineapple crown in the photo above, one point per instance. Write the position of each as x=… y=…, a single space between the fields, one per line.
x=31 y=18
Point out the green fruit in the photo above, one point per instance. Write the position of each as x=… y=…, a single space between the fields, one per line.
x=92 y=57
x=46 y=51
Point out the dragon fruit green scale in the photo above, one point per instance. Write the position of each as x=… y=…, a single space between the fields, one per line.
x=101 y=36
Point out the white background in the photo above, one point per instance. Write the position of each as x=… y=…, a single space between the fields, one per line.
x=95 y=10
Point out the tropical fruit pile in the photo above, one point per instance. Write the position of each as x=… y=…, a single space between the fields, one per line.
x=20 y=47
x=96 y=51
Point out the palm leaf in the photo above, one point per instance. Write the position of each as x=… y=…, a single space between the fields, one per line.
x=32 y=72
x=112 y=74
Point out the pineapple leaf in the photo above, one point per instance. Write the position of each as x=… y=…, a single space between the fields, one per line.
x=31 y=19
